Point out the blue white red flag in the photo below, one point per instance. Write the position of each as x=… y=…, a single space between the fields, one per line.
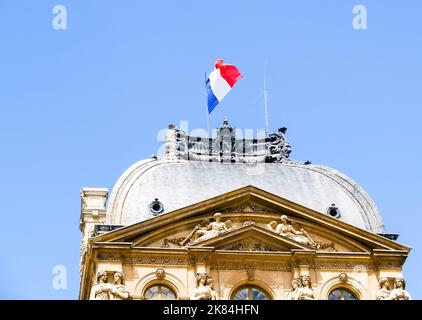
x=220 y=82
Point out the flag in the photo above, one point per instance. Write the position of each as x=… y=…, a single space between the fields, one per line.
x=220 y=82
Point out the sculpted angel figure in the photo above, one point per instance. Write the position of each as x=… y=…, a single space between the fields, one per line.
x=118 y=290
x=212 y=230
x=286 y=229
x=202 y=290
x=399 y=292
x=296 y=287
x=200 y=230
x=383 y=293
x=306 y=292
x=101 y=289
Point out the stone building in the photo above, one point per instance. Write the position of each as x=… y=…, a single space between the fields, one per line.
x=232 y=218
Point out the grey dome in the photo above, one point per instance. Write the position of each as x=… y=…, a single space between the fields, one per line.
x=177 y=184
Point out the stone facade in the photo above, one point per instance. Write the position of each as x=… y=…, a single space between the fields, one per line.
x=241 y=248
x=230 y=218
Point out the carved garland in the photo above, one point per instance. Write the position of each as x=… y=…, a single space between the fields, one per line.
x=244 y=266
x=248 y=246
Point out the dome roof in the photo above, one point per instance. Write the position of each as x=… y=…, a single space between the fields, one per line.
x=179 y=183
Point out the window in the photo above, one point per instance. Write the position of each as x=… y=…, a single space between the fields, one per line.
x=156 y=207
x=333 y=211
x=159 y=292
x=342 y=294
x=250 y=293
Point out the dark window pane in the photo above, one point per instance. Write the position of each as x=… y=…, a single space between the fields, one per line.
x=341 y=294
x=250 y=293
x=159 y=291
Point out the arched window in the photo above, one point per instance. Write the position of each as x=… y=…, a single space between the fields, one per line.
x=159 y=292
x=342 y=294
x=249 y=292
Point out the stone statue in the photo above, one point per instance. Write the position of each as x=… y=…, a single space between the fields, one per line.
x=214 y=294
x=286 y=229
x=278 y=146
x=182 y=142
x=383 y=293
x=399 y=292
x=296 y=287
x=101 y=289
x=306 y=292
x=213 y=229
x=175 y=143
x=202 y=290
x=171 y=142
x=118 y=290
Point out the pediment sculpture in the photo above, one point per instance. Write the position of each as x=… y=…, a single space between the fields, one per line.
x=103 y=290
x=207 y=230
x=285 y=229
x=398 y=293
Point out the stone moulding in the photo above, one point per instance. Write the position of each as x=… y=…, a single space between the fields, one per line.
x=158 y=260
x=257 y=266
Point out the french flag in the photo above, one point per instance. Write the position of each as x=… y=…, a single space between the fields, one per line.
x=220 y=82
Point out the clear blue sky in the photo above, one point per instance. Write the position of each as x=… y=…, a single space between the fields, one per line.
x=79 y=106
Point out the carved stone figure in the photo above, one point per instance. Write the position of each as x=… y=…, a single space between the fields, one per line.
x=226 y=147
x=306 y=292
x=214 y=294
x=278 y=146
x=181 y=144
x=213 y=229
x=250 y=271
x=296 y=287
x=171 y=142
x=343 y=278
x=383 y=293
x=118 y=290
x=399 y=292
x=100 y=291
x=160 y=274
x=175 y=143
x=286 y=229
x=272 y=226
x=202 y=290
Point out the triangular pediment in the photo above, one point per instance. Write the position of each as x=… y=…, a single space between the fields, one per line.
x=250 y=210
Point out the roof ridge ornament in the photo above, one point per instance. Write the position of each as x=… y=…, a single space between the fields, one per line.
x=227 y=147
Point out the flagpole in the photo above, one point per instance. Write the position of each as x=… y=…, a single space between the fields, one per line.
x=206 y=107
x=265 y=96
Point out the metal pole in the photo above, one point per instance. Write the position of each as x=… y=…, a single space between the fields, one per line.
x=265 y=96
x=206 y=108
